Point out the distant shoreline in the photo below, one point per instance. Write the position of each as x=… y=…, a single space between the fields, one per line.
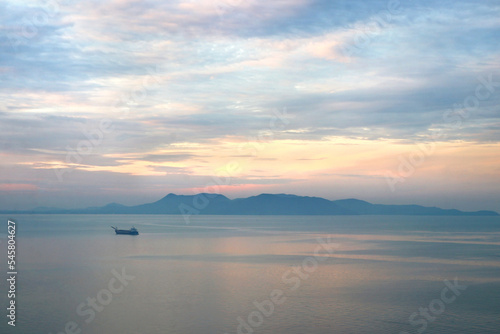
x=263 y=204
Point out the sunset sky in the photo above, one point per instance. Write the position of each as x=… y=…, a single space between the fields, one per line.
x=393 y=102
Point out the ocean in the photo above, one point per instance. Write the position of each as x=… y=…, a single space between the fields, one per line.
x=254 y=274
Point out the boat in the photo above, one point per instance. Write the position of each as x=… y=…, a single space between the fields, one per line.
x=132 y=231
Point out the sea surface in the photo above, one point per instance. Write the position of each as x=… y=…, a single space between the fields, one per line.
x=254 y=274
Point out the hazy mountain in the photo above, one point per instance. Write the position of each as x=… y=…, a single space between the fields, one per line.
x=267 y=204
x=264 y=204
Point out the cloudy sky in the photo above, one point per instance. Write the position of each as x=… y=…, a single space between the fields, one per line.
x=126 y=101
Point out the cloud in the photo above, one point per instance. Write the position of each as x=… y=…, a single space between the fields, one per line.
x=167 y=157
x=188 y=86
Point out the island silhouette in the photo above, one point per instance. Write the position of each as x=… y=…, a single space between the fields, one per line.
x=263 y=204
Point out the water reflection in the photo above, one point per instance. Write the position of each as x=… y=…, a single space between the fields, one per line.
x=211 y=275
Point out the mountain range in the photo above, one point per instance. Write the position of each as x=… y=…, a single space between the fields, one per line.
x=264 y=204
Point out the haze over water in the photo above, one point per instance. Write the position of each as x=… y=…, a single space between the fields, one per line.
x=209 y=275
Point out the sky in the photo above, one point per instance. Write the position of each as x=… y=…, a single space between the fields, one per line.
x=392 y=102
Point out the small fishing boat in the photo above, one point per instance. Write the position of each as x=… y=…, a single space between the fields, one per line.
x=132 y=231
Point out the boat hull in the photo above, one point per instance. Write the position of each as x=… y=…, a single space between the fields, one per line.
x=132 y=231
x=126 y=232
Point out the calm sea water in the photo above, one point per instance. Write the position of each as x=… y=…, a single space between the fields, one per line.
x=245 y=274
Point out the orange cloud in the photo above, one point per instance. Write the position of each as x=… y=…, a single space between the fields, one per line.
x=17 y=187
